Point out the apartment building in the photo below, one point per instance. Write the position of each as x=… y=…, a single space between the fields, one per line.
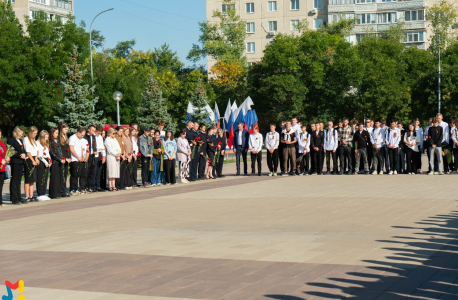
x=53 y=8
x=266 y=18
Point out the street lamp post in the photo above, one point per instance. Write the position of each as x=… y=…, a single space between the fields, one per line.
x=90 y=49
x=439 y=79
x=117 y=96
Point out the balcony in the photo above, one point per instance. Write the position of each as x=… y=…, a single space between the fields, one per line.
x=67 y=5
x=348 y=6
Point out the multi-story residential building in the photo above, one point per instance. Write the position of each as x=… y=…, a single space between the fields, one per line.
x=266 y=18
x=53 y=8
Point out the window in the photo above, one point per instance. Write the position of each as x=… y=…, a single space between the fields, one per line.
x=389 y=0
x=250 y=47
x=39 y=1
x=318 y=4
x=250 y=8
x=11 y=1
x=227 y=7
x=366 y=18
x=63 y=4
x=415 y=15
x=337 y=17
x=272 y=6
x=317 y=23
x=250 y=63
x=250 y=27
x=294 y=4
x=414 y=37
x=341 y=2
x=272 y=26
x=359 y=37
x=294 y=24
x=387 y=18
x=364 y=1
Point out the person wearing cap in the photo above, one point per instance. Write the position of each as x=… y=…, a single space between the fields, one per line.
x=146 y=151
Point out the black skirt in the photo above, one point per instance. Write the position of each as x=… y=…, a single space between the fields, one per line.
x=56 y=180
x=30 y=171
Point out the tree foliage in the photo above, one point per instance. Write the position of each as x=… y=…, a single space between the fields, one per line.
x=442 y=17
x=199 y=100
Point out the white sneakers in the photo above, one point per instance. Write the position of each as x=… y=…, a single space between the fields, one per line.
x=391 y=173
x=271 y=173
x=43 y=198
x=184 y=180
x=431 y=173
x=275 y=174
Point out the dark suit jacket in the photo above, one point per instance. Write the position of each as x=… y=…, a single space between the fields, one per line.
x=245 y=137
x=16 y=158
x=317 y=139
x=92 y=147
x=362 y=139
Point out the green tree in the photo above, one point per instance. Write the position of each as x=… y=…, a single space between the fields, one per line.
x=224 y=40
x=442 y=17
x=199 y=101
x=153 y=107
x=123 y=48
x=77 y=108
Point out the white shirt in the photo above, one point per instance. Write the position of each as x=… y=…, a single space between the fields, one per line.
x=419 y=131
x=413 y=139
x=100 y=146
x=41 y=155
x=134 y=145
x=378 y=137
x=79 y=146
x=304 y=142
x=331 y=139
x=369 y=129
x=272 y=140
x=29 y=147
x=393 y=137
x=255 y=142
x=239 y=139
x=112 y=145
x=446 y=135
x=297 y=129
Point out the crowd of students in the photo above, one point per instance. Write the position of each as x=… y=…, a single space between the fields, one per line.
x=102 y=159
x=106 y=159
x=354 y=148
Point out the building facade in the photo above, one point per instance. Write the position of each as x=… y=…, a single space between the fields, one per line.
x=266 y=18
x=53 y=8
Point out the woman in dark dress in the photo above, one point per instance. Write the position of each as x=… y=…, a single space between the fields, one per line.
x=17 y=165
x=65 y=149
x=221 y=143
x=58 y=161
x=211 y=143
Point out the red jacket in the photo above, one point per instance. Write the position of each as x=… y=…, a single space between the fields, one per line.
x=2 y=156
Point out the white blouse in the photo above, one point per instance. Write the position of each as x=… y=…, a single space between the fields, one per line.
x=43 y=153
x=29 y=147
x=112 y=146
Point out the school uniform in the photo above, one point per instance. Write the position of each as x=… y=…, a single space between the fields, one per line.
x=412 y=151
x=120 y=182
x=377 y=138
x=318 y=142
x=289 y=150
x=331 y=140
x=361 y=139
x=220 y=163
x=435 y=135
x=77 y=168
x=419 y=131
x=211 y=149
x=369 y=148
x=255 y=144
x=90 y=171
x=401 y=167
x=345 y=153
x=241 y=147
x=65 y=149
x=202 y=157
x=272 y=142
x=146 y=148
x=392 y=139
x=55 y=181
x=30 y=175
x=445 y=141
x=191 y=136
x=100 y=154
x=304 y=151
x=42 y=170
x=17 y=168
x=281 y=146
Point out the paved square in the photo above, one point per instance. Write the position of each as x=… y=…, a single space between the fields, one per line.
x=288 y=238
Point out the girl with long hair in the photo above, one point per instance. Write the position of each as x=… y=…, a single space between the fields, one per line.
x=43 y=166
x=65 y=149
x=170 y=150
x=31 y=163
x=58 y=161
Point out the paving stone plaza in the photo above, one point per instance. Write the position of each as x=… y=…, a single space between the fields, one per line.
x=288 y=238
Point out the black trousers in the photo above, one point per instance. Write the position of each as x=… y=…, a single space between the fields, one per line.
x=455 y=158
x=332 y=154
x=304 y=164
x=145 y=161
x=97 y=172
x=256 y=158
x=241 y=152
x=63 y=185
x=219 y=166
x=194 y=164
x=345 y=158
x=202 y=165
x=393 y=157
x=128 y=172
x=122 y=175
x=2 y=181
x=281 y=158
x=272 y=161
x=15 y=183
x=318 y=160
x=418 y=161
x=133 y=177
x=312 y=161
x=42 y=179
x=411 y=159
x=103 y=177
x=89 y=174
x=77 y=175
x=169 y=171
x=55 y=181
